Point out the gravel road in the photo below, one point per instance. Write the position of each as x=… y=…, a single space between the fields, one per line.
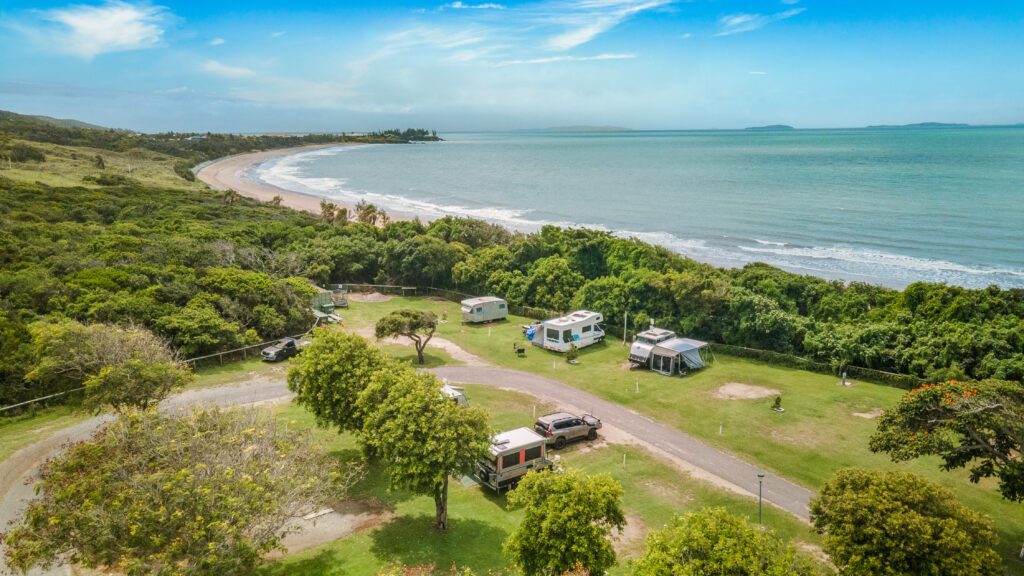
x=19 y=470
x=701 y=458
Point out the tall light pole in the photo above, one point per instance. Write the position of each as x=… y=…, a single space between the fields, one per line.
x=760 y=494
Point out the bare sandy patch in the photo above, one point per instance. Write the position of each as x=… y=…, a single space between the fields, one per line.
x=737 y=391
x=346 y=519
x=369 y=297
x=666 y=492
x=875 y=413
x=629 y=542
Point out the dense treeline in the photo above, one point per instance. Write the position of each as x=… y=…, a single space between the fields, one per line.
x=209 y=276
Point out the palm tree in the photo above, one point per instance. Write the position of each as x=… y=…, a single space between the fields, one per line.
x=230 y=197
x=366 y=212
x=341 y=217
x=328 y=211
x=276 y=200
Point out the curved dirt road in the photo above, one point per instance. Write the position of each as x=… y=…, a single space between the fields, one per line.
x=702 y=461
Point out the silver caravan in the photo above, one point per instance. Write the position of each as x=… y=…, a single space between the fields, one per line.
x=512 y=455
x=663 y=352
x=484 y=309
x=580 y=328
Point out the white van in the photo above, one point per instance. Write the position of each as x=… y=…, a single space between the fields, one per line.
x=484 y=309
x=580 y=328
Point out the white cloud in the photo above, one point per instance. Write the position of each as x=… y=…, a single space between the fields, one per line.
x=737 y=23
x=591 y=18
x=551 y=59
x=278 y=34
x=757 y=73
x=217 y=41
x=214 y=67
x=177 y=90
x=486 y=6
x=685 y=36
x=88 y=31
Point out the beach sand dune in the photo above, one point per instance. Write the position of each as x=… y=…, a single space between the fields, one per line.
x=231 y=173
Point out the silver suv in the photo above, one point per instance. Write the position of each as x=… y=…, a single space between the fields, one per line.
x=561 y=427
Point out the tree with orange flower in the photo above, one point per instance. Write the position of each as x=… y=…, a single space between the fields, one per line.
x=978 y=425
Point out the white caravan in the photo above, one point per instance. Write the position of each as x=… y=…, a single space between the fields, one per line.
x=579 y=328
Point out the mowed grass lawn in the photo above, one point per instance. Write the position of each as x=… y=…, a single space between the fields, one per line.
x=817 y=435
x=480 y=519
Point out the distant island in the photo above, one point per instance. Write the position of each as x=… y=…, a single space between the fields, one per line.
x=919 y=125
x=770 y=128
x=585 y=128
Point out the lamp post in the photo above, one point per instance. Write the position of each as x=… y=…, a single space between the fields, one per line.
x=760 y=493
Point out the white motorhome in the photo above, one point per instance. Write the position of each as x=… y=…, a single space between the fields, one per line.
x=484 y=309
x=512 y=455
x=579 y=328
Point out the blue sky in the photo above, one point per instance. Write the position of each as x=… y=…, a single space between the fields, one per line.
x=481 y=65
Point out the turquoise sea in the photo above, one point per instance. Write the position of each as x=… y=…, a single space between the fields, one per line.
x=886 y=206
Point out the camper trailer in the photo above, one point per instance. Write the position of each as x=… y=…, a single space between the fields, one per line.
x=454 y=393
x=484 y=309
x=579 y=328
x=663 y=352
x=512 y=455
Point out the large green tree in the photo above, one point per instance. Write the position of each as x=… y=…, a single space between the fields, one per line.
x=569 y=517
x=978 y=425
x=713 y=542
x=331 y=373
x=119 y=367
x=421 y=435
x=900 y=524
x=416 y=325
x=206 y=493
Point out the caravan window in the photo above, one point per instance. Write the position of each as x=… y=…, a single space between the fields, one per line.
x=509 y=460
x=567 y=336
x=552 y=335
x=586 y=329
x=479 y=309
x=501 y=306
x=532 y=453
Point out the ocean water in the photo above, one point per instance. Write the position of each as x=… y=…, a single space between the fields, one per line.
x=888 y=207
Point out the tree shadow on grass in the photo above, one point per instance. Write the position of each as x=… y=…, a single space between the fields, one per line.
x=322 y=563
x=374 y=485
x=412 y=540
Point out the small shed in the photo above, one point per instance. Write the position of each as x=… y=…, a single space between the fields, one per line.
x=671 y=356
x=484 y=309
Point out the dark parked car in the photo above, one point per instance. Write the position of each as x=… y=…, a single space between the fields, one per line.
x=561 y=427
x=283 y=348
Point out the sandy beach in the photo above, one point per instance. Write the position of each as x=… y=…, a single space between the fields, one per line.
x=230 y=173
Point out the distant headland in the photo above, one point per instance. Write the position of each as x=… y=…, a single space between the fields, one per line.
x=770 y=128
x=586 y=128
x=919 y=125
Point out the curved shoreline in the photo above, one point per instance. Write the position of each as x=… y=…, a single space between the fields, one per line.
x=230 y=173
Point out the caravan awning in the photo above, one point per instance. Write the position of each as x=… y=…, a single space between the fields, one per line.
x=686 y=348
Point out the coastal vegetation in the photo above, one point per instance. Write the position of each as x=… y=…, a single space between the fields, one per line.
x=152 y=254
x=209 y=492
x=212 y=276
x=899 y=523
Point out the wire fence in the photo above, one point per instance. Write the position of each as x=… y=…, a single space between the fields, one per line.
x=234 y=355
x=896 y=380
